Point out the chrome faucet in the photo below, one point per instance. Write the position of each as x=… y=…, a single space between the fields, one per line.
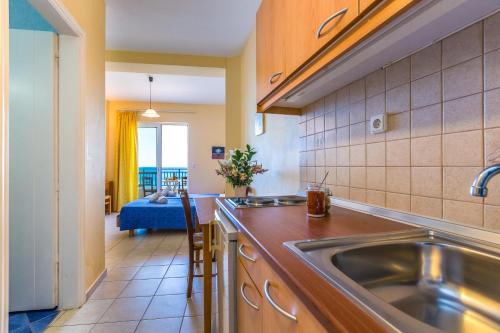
x=478 y=187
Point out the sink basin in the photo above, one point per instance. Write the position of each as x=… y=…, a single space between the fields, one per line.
x=417 y=281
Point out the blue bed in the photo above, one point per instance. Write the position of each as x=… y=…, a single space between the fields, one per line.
x=141 y=214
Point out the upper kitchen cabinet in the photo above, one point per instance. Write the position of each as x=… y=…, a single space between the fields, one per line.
x=313 y=24
x=271 y=32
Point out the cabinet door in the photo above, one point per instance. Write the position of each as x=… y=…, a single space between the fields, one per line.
x=282 y=311
x=270 y=46
x=249 y=304
x=312 y=24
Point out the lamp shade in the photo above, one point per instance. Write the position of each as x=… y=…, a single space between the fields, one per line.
x=150 y=113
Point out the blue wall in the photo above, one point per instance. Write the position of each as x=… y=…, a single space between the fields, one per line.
x=22 y=15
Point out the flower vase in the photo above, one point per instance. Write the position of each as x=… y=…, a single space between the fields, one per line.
x=240 y=191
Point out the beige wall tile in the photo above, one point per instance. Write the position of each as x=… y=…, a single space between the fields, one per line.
x=357 y=91
x=398 y=201
x=331 y=178
x=343 y=176
x=375 y=178
x=311 y=158
x=398 y=126
x=303 y=144
x=463 y=79
x=398 y=99
x=491 y=146
x=431 y=207
x=375 y=198
x=357 y=177
x=357 y=112
x=427 y=181
x=342 y=192
x=319 y=140
x=492 y=217
x=493 y=197
x=426 y=61
x=375 y=105
x=357 y=133
x=375 y=83
x=357 y=155
x=342 y=116
x=310 y=127
x=492 y=108
x=492 y=33
x=319 y=107
x=426 y=121
x=375 y=154
x=398 y=73
x=457 y=182
x=330 y=120
x=302 y=129
x=331 y=157
x=398 y=179
x=343 y=136
x=463 y=45
x=303 y=158
x=492 y=70
x=463 y=212
x=311 y=174
x=320 y=157
x=320 y=173
x=370 y=138
x=342 y=98
x=330 y=102
x=310 y=142
x=330 y=139
x=426 y=91
x=343 y=156
x=357 y=194
x=303 y=174
x=463 y=114
x=310 y=111
x=463 y=149
x=398 y=153
x=319 y=124
x=426 y=151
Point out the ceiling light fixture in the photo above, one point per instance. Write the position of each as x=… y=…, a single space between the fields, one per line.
x=150 y=113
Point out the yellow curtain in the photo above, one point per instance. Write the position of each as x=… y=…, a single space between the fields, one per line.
x=126 y=169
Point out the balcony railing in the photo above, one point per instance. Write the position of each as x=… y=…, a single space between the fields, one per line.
x=148 y=178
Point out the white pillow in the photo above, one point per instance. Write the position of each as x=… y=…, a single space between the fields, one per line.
x=162 y=200
x=154 y=197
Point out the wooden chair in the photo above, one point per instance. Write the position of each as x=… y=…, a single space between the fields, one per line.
x=108 y=197
x=195 y=240
x=148 y=186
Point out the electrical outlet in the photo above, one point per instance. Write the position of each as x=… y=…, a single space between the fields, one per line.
x=378 y=123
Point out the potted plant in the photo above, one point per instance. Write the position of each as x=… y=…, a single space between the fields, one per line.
x=239 y=169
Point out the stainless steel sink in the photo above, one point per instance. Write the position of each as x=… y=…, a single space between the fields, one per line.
x=417 y=281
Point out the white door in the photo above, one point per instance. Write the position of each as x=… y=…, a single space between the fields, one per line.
x=33 y=171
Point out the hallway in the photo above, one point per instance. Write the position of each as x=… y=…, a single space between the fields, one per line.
x=144 y=290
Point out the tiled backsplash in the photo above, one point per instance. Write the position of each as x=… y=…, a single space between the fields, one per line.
x=443 y=108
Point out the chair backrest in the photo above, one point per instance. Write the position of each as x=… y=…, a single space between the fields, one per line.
x=189 y=219
x=148 y=184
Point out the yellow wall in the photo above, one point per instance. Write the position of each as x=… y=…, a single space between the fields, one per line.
x=277 y=147
x=90 y=15
x=165 y=59
x=206 y=129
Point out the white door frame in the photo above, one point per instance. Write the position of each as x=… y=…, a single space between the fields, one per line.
x=71 y=152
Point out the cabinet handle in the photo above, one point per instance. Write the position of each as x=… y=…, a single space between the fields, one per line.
x=244 y=255
x=267 y=285
x=245 y=298
x=274 y=77
x=328 y=20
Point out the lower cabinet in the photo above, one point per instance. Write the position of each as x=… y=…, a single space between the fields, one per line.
x=266 y=304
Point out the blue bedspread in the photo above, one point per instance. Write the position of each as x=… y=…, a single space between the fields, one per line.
x=141 y=214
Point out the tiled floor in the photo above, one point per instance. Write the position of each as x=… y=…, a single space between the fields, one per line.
x=144 y=291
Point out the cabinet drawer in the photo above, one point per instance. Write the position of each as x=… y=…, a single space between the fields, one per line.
x=249 y=303
x=251 y=259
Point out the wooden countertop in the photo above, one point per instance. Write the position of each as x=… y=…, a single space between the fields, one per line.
x=269 y=227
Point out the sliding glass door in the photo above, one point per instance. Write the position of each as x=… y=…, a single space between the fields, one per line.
x=163 y=157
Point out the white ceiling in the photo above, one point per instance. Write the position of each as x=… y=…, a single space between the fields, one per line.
x=200 y=27
x=166 y=87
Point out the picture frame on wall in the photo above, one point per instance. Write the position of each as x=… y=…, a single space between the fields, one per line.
x=218 y=152
x=259 y=124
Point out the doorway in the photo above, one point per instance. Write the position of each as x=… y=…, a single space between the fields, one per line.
x=162 y=157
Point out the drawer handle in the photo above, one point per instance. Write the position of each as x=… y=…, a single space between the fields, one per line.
x=244 y=255
x=275 y=77
x=245 y=298
x=328 y=20
x=267 y=285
